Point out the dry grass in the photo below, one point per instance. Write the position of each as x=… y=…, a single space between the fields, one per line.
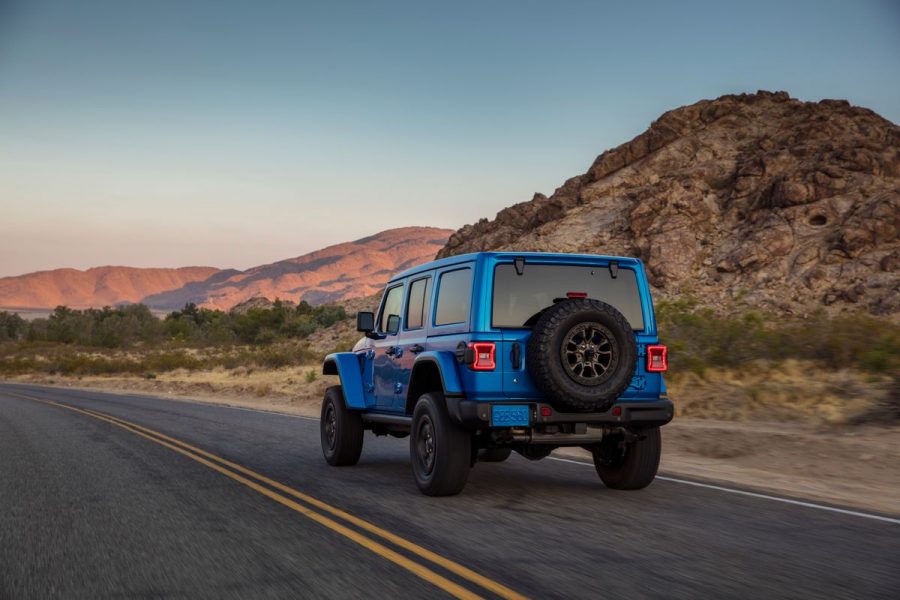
x=284 y=389
x=789 y=391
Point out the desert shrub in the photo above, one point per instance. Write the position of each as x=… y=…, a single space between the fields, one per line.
x=84 y=364
x=311 y=376
x=19 y=365
x=345 y=344
x=128 y=326
x=170 y=361
x=12 y=326
x=700 y=339
x=267 y=325
x=105 y=328
x=845 y=341
x=272 y=357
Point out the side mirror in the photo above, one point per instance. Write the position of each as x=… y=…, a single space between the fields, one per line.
x=365 y=322
x=393 y=324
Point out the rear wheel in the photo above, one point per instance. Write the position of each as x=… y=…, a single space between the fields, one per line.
x=628 y=465
x=341 y=430
x=439 y=450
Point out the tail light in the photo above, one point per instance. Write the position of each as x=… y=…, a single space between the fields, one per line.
x=484 y=359
x=657 y=359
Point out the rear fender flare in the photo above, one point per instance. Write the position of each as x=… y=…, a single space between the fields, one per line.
x=446 y=365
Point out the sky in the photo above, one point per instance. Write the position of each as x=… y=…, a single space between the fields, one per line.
x=231 y=134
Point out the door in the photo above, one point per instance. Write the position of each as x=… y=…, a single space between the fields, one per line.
x=386 y=366
x=413 y=338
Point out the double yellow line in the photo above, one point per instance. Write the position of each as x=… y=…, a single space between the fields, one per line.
x=304 y=504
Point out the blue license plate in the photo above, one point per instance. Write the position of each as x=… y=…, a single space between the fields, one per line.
x=510 y=415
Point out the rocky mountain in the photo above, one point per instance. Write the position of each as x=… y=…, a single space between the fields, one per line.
x=757 y=199
x=339 y=272
x=100 y=286
x=348 y=270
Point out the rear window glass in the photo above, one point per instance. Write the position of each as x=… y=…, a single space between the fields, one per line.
x=519 y=298
x=454 y=296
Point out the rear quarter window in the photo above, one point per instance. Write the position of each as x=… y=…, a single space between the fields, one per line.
x=454 y=297
x=518 y=299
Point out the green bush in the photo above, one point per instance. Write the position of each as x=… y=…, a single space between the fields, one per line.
x=12 y=326
x=700 y=339
x=128 y=326
x=104 y=328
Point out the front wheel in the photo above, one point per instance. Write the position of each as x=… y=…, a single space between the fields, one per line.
x=440 y=451
x=628 y=465
x=341 y=430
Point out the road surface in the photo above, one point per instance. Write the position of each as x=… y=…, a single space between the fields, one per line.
x=133 y=496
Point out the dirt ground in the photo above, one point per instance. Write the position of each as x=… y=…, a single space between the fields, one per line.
x=856 y=466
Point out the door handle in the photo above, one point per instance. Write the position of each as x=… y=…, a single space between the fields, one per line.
x=395 y=351
x=416 y=348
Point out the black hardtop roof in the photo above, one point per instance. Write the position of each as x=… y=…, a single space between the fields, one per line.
x=474 y=256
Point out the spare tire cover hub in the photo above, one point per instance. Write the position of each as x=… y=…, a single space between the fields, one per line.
x=587 y=353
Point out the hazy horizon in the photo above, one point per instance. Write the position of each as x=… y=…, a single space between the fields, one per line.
x=231 y=135
x=219 y=267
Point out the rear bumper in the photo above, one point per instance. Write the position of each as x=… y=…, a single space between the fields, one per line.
x=473 y=414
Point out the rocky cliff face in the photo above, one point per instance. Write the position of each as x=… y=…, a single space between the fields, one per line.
x=754 y=198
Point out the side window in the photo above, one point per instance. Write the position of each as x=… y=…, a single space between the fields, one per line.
x=393 y=300
x=415 y=306
x=454 y=296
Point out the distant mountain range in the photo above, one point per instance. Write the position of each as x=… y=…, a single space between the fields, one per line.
x=335 y=273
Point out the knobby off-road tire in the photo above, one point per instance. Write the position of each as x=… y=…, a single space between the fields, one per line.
x=582 y=355
x=632 y=467
x=439 y=450
x=494 y=454
x=341 y=430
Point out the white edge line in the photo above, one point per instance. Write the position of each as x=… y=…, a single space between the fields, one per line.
x=259 y=410
x=720 y=488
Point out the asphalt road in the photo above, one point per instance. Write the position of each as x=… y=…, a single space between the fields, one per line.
x=94 y=503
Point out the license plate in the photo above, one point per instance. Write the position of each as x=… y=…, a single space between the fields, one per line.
x=510 y=415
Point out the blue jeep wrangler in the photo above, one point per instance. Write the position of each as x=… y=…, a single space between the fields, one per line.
x=477 y=355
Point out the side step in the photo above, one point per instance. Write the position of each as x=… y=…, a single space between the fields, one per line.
x=387 y=419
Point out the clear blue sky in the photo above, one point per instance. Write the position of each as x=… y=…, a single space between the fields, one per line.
x=235 y=133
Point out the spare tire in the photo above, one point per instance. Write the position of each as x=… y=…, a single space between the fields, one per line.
x=581 y=354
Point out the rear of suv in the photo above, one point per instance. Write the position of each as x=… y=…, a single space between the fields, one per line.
x=476 y=356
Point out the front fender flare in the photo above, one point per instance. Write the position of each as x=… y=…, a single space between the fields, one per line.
x=346 y=365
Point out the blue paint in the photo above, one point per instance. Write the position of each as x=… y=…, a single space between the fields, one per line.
x=384 y=369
